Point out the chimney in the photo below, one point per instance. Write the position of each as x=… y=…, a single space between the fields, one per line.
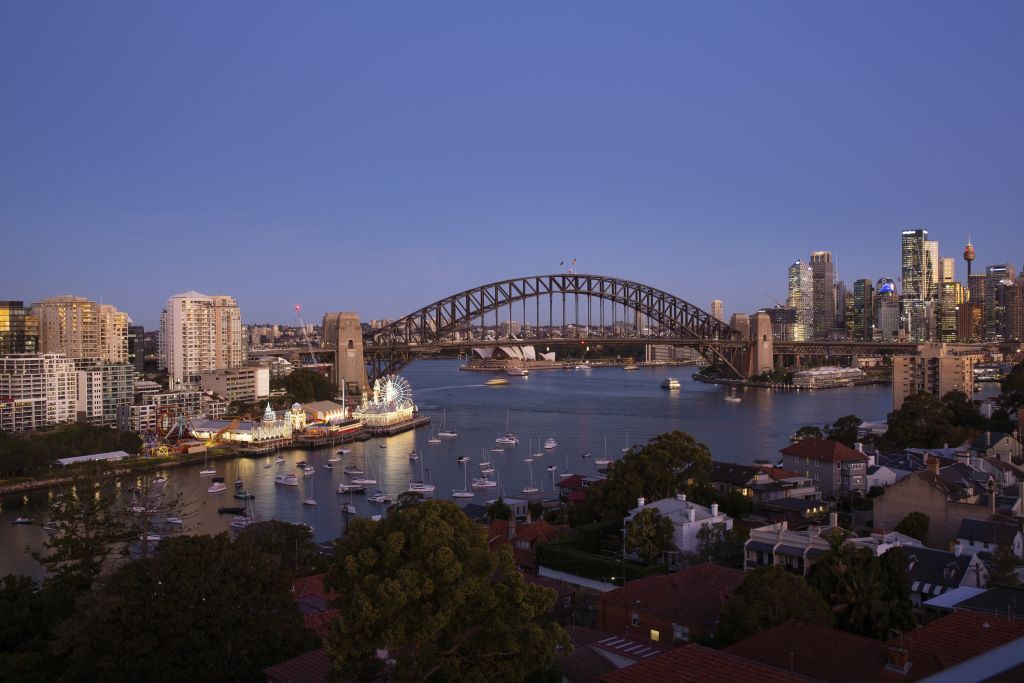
x=899 y=660
x=692 y=514
x=714 y=509
x=640 y=503
x=957 y=549
x=934 y=462
x=992 y=490
x=988 y=439
x=859 y=447
x=681 y=496
x=833 y=520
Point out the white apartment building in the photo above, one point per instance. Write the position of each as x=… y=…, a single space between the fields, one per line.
x=47 y=376
x=102 y=387
x=688 y=519
x=80 y=328
x=199 y=333
x=238 y=384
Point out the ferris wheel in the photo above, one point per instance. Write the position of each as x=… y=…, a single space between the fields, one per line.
x=393 y=391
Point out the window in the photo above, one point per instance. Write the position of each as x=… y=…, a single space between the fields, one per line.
x=634 y=619
x=655 y=635
x=567 y=602
x=680 y=632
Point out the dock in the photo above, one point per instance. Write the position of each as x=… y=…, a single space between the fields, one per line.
x=398 y=427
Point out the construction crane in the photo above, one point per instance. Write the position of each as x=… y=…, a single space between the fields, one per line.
x=305 y=334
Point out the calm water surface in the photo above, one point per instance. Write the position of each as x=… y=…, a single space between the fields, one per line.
x=579 y=408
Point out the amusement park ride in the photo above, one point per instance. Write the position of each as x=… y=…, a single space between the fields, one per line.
x=174 y=434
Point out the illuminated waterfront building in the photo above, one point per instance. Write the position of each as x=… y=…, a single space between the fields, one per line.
x=199 y=333
x=800 y=298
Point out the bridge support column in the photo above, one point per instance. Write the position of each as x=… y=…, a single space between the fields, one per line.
x=343 y=333
x=761 y=345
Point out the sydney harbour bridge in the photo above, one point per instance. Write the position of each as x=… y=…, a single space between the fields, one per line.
x=594 y=309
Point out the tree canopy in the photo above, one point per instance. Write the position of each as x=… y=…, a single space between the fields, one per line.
x=649 y=535
x=27 y=455
x=769 y=597
x=305 y=385
x=203 y=608
x=291 y=544
x=1013 y=385
x=922 y=421
x=423 y=584
x=914 y=525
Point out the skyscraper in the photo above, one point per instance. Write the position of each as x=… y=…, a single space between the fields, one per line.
x=80 y=328
x=947 y=269
x=199 y=333
x=932 y=266
x=920 y=264
x=824 y=296
x=718 y=310
x=19 y=331
x=863 y=310
x=912 y=260
x=952 y=297
x=998 y=279
x=839 y=296
x=800 y=298
x=887 y=309
x=136 y=347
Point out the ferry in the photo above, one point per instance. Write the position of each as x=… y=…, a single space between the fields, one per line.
x=496 y=382
x=517 y=372
x=671 y=383
x=631 y=366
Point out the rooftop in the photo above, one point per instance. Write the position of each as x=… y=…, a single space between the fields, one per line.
x=694 y=596
x=823 y=450
x=1000 y=533
x=699 y=664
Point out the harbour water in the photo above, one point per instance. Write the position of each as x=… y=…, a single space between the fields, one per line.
x=578 y=408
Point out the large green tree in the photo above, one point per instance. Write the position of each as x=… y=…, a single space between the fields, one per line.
x=422 y=584
x=28 y=611
x=202 y=609
x=305 y=386
x=963 y=411
x=648 y=535
x=869 y=595
x=844 y=430
x=923 y=421
x=669 y=463
x=768 y=597
x=291 y=544
x=1013 y=386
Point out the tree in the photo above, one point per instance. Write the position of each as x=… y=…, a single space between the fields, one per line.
x=203 y=608
x=922 y=421
x=305 y=385
x=869 y=596
x=1002 y=570
x=719 y=545
x=499 y=510
x=423 y=584
x=915 y=525
x=769 y=597
x=844 y=430
x=807 y=432
x=1013 y=385
x=963 y=411
x=668 y=464
x=649 y=535
x=28 y=611
x=291 y=544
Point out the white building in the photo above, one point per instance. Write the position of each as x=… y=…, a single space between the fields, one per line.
x=102 y=387
x=687 y=517
x=48 y=376
x=199 y=333
x=826 y=377
x=273 y=428
x=249 y=383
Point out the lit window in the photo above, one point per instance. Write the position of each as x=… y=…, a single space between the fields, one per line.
x=635 y=619
x=655 y=635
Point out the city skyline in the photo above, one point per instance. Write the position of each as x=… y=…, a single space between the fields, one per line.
x=376 y=162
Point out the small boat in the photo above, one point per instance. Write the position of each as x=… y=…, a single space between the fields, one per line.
x=241 y=522
x=343 y=451
x=21 y=520
x=244 y=495
x=527 y=459
x=508 y=438
x=671 y=383
x=434 y=439
x=446 y=433
x=382 y=445
x=631 y=366
x=733 y=399
x=205 y=472
x=309 y=501
x=267 y=466
x=51 y=526
x=527 y=490
x=464 y=492
x=497 y=450
x=150 y=538
x=486 y=470
x=462 y=459
x=496 y=382
x=550 y=443
x=217 y=487
x=300 y=464
x=352 y=469
x=363 y=481
x=378 y=497
x=518 y=372
x=239 y=483
x=414 y=456
x=351 y=488
x=307 y=470
x=552 y=468
x=328 y=466
x=231 y=510
x=349 y=508
x=484 y=483
x=279 y=459
x=420 y=487
x=334 y=458
x=586 y=455
x=159 y=481
x=286 y=480
x=174 y=520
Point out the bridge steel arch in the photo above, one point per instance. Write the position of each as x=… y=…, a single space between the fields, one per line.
x=389 y=348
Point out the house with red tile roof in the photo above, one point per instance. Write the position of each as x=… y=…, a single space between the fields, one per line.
x=698 y=664
x=312 y=667
x=315 y=603
x=836 y=469
x=574 y=488
x=524 y=537
x=669 y=608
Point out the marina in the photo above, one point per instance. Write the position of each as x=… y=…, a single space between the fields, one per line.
x=578 y=410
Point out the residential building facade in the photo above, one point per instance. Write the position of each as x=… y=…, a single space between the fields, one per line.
x=19 y=329
x=50 y=378
x=80 y=328
x=199 y=333
x=246 y=384
x=835 y=468
x=934 y=371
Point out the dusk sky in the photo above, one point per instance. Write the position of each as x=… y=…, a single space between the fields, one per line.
x=378 y=156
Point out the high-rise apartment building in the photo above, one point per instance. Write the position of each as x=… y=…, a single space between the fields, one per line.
x=19 y=330
x=947 y=269
x=1014 y=301
x=998 y=279
x=199 y=333
x=800 y=298
x=824 y=295
x=80 y=328
x=137 y=347
x=933 y=371
x=932 y=266
x=102 y=387
x=46 y=380
x=718 y=310
x=863 y=310
x=887 y=309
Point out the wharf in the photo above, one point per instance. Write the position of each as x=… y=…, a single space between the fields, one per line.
x=398 y=428
x=361 y=434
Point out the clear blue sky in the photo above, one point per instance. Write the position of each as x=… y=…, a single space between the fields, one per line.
x=378 y=156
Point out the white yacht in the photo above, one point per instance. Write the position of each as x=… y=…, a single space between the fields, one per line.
x=286 y=480
x=550 y=443
x=217 y=487
x=421 y=487
x=446 y=433
x=671 y=383
x=378 y=497
x=484 y=483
